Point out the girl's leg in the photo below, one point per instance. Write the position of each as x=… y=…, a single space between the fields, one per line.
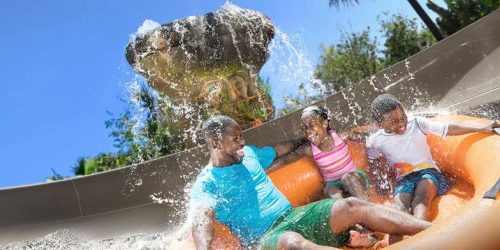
x=333 y=192
x=402 y=201
x=354 y=184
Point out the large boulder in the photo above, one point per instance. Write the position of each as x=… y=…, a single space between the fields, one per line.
x=210 y=62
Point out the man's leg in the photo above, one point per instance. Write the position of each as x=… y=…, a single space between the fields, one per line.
x=350 y=211
x=424 y=194
x=292 y=240
x=354 y=184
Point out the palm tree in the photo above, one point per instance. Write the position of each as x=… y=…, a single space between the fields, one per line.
x=414 y=4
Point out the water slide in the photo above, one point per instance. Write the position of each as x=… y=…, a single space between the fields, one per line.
x=460 y=74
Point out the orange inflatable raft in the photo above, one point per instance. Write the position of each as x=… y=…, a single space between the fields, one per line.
x=462 y=219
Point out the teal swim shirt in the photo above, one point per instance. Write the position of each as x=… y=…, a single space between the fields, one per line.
x=242 y=195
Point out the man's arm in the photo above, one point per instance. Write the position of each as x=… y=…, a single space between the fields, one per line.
x=203 y=228
x=461 y=129
x=288 y=146
x=279 y=162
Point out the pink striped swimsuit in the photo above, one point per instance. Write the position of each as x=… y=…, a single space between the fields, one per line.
x=335 y=163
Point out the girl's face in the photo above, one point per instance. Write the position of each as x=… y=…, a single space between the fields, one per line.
x=315 y=128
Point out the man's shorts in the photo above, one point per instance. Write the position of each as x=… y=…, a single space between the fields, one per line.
x=409 y=182
x=338 y=183
x=311 y=221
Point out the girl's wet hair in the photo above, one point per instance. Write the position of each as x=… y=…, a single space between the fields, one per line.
x=214 y=126
x=318 y=111
x=384 y=104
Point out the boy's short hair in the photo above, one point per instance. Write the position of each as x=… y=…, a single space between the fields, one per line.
x=384 y=104
x=213 y=127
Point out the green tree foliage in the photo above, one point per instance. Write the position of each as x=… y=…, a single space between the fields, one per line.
x=403 y=38
x=349 y=61
x=102 y=162
x=460 y=13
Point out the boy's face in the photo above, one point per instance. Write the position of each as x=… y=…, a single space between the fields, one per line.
x=230 y=148
x=394 y=122
x=314 y=128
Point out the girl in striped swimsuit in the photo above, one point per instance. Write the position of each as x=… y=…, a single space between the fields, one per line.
x=331 y=155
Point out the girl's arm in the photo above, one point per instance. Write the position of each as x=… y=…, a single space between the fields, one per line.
x=359 y=134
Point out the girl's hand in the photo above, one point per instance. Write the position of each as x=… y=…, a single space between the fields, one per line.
x=381 y=244
x=355 y=136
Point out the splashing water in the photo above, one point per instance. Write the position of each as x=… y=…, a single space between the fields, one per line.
x=67 y=239
x=290 y=66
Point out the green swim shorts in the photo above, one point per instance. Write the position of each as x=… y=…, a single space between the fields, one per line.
x=311 y=221
x=338 y=184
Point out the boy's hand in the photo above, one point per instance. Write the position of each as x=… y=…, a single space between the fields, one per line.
x=495 y=124
x=495 y=127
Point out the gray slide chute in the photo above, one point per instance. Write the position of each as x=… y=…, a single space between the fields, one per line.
x=459 y=74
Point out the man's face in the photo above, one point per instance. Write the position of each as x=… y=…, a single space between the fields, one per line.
x=230 y=148
x=394 y=122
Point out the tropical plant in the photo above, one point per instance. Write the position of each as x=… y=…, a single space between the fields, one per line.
x=55 y=176
x=414 y=4
x=403 y=38
x=460 y=13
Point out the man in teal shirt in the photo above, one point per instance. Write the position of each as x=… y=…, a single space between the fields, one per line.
x=235 y=189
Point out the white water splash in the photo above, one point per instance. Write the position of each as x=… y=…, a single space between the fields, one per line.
x=147 y=26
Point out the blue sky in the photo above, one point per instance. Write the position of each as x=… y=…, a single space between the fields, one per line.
x=62 y=66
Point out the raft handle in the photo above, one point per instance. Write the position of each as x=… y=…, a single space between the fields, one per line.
x=493 y=192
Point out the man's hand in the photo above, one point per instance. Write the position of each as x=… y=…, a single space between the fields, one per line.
x=284 y=148
x=203 y=228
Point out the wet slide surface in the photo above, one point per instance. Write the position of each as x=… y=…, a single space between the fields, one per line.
x=459 y=74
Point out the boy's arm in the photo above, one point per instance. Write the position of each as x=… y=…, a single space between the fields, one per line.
x=203 y=228
x=461 y=129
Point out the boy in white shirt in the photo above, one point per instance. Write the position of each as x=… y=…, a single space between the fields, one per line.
x=402 y=141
